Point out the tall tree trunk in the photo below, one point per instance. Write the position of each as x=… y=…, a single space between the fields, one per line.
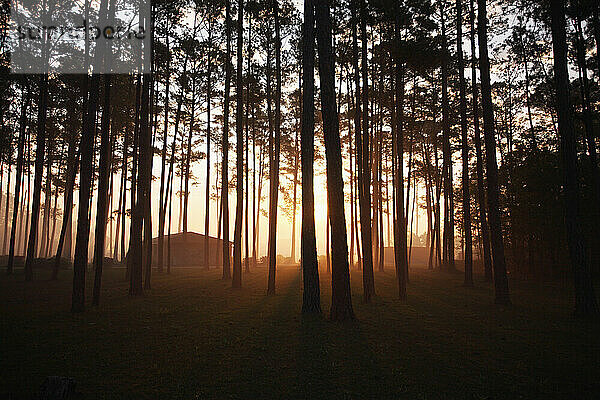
x=246 y=149
x=465 y=150
x=151 y=137
x=120 y=212
x=400 y=246
x=162 y=195
x=27 y=207
x=134 y=167
x=589 y=133
x=101 y=205
x=1 y=184
x=20 y=159
x=362 y=145
x=237 y=235
x=124 y=203
x=188 y=159
x=143 y=179
x=438 y=208
x=254 y=213
x=341 y=300
x=585 y=298
x=72 y=161
x=7 y=208
x=47 y=204
x=295 y=174
x=86 y=177
x=85 y=183
x=487 y=256
x=208 y=139
x=311 y=296
x=499 y=262
x=328 y=238
x=274 y=192
x=447 y=154
x=225 y=146
x=39 y=171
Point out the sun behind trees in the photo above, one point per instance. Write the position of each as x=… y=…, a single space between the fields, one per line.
x=390 y=125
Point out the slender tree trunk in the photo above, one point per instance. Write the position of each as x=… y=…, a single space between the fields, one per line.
x=39 y=170
x=188 y=159
x=237 y=238
x=261 y=166
x=295 y=174
x=20 y=159
x=328 y=238
x=247 y=148
x=499 y=262
x=351 y=154
x=447 y=155
x=274 y=192
x=1 y=184
x=101 y=205
x=143 y=179
x=585 y=298
x=589 y=134
x=7 y=208
x=28 y=208
x=208 y=139
x=362 y=145
x=465 y=150
x=72 y=161
x=225 y=145
x=254 y=213
x=487 y=256
x=45 y=239
x=311 y=296
x=124 y=200
x=341 y=300
x=134 y=168
x=85 y=187
x=120 y=211
x=162 y=194
x=401 y=255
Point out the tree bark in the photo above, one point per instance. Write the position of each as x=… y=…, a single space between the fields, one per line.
x=225 y=148
x=585 y=298
x=487 y=256
x=465 y=150
x=101 y=205
x=208 y=139
x=20 y=159
x=162 y=194
x=237 y=236
x=400 y=250
x=40 y=152
x=341 y=300
x=311 y=296
x=499 y=262
x=274 y=192
x=447 y=155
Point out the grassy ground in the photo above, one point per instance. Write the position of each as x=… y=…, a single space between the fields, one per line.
x=192 y=337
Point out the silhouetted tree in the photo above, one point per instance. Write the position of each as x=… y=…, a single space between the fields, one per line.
x=341 y=300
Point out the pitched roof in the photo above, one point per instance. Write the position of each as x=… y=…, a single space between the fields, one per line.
x=191 y=237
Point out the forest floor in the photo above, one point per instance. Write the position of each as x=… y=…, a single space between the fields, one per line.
x=193 y=337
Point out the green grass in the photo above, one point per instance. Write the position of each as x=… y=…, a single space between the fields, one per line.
x=193 y=337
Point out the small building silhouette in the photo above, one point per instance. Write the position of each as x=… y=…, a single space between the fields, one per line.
x=187 y=249
x=418 y=256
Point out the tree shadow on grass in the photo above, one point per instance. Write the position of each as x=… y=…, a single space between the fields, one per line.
x=335 y=361
x=314 y=367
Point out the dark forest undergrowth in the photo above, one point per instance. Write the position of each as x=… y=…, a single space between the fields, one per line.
x=193 y=337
